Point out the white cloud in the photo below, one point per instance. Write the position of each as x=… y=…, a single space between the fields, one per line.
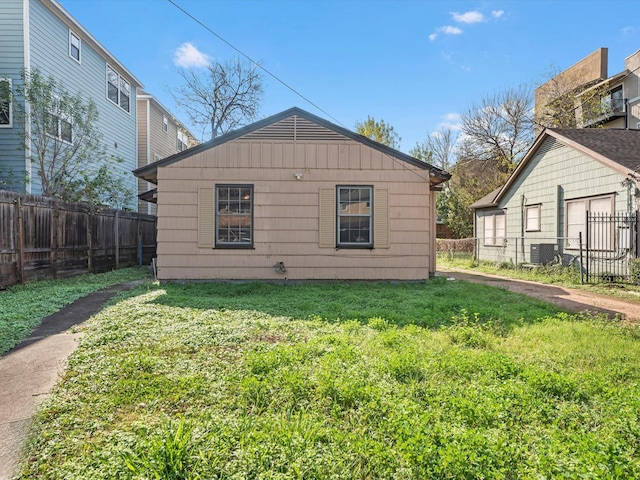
x=627 y=30
x=187 y=55
x=450 y=121
x=497 y=13
x=468 y=17
x=447 y=30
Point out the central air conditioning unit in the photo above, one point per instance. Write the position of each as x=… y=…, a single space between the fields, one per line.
x=543 y=253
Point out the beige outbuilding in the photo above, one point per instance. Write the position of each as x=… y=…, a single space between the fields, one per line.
x=294 y=197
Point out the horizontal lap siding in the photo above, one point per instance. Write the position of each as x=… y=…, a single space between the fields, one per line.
x=12 y=158
x=556 y=174
x=50 y=53
x=286 y=213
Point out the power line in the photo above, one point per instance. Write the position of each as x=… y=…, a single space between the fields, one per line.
x=279 y=80
x=254 y=62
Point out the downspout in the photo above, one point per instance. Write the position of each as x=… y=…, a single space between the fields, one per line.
x=27 y=107
x=626 y=114
x=522 y=202
x=148 y=147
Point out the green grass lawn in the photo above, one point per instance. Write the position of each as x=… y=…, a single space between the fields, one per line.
x=437 y=380
x=553 y=274
x=22 y=307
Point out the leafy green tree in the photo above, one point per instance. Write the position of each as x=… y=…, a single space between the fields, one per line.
x=66 y=144
x=566 y=101
x=380 y=131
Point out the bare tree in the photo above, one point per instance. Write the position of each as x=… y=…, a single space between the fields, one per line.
x=437 y=149
x=222 y=97
x=500 y=129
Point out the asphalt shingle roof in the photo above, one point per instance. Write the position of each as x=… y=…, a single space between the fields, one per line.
x=619 y=145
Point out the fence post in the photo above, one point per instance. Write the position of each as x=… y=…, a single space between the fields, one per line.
x=20 y=240
x=516 y=253
x=637 y=252
x=580 y=246
x=139 y=241
x=90 y=214
x=54 y=240
x=117 y=234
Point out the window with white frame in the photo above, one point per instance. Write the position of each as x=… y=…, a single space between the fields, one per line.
x=6 y=107
x=74 y=46
x=234 y=216
x=532 y=218
x=58 y=126
x=494 y=229
x=576 y=221
x=118 y=89
x=182 y=141
x=165 y=124
x=355 y=216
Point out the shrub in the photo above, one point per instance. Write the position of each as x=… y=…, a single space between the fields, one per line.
x=634 y=271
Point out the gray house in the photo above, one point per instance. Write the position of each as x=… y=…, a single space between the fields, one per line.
x=540 y=214
x=41 y=34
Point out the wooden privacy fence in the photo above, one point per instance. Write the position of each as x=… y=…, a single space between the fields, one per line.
x=44 y=237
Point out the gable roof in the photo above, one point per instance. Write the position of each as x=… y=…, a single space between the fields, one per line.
x=618 y=149
x=149 y=172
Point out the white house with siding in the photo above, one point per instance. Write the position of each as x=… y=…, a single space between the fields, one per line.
x=41 y=34
x=294 y=197
x=566 y=173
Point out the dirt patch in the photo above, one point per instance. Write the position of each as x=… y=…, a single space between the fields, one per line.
x=569 y=299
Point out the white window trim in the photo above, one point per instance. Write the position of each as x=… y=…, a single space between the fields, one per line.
x=58 y=135
x=529 y=208
x=10 y=124
x=165 y=124
x=79 y=59
x=369 y=243
x=494 y=240
x=120 y=79
x=571 y=243
x=182 y=139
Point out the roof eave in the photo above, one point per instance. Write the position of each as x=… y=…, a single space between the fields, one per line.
x=71 y=22
x=149 y=172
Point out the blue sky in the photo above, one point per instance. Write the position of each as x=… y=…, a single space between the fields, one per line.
x=417 y=64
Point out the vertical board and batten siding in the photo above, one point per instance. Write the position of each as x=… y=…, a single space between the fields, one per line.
x=49 y=38
x=555 y=174
x=12 y=158
x=294 y=220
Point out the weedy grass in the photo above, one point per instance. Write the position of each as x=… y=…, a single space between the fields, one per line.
x=552 y=274
x=442 y=380
x=22 y=307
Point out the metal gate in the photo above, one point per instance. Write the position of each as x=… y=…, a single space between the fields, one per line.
x=611 y=241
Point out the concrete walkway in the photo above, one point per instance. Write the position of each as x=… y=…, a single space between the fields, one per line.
x=29 y=371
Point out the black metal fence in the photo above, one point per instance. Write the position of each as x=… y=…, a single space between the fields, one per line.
x=602 y=253
x=610 y=243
